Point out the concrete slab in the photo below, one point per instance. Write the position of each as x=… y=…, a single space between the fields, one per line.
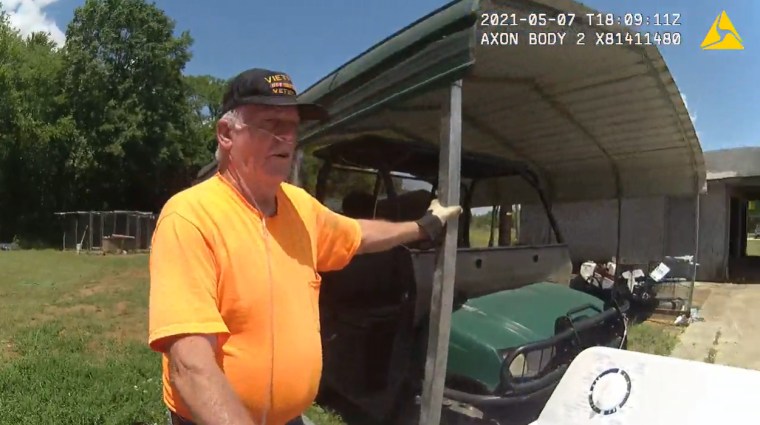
x=730 y=330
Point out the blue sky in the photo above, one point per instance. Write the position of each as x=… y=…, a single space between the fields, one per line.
x=309 y=39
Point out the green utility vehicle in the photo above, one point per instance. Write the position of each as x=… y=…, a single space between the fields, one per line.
x=497 y=125
x=516 y=324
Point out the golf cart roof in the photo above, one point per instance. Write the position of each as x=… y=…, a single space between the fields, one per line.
x=419 y=159
x=593 y=122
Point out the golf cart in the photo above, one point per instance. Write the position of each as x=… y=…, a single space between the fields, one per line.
x=594 y=123
x=516 y=324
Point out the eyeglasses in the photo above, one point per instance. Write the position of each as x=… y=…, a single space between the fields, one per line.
x=280 y=139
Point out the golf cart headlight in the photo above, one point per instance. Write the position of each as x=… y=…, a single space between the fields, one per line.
x=517 y=367
x=530 y=364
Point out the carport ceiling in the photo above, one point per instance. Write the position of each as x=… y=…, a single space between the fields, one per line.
x=594 y=122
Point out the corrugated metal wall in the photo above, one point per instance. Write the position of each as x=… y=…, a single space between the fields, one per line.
x=652 y=228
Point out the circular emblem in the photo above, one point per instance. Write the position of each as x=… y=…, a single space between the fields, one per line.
x=609 y=391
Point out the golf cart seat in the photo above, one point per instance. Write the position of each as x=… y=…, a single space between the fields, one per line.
x=385 y=278
x=358 y=204
x=405 y=207
x=367 y=306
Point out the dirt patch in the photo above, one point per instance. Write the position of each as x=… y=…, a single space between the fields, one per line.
x=129 y=333
x=129 y=323
x=110 y=283
x=54 y=311
x=121 y=308
x=713 y=352
x=8 y=350
x=107 y=302
x=130 y=330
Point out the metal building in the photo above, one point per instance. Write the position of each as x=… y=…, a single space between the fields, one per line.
x=654 y=227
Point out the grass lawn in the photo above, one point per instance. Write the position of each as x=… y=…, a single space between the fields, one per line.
x=753 y=247
x=73 y=332
x=73 y=347
x=653 y=338
x=479 y=236
x=72 y=340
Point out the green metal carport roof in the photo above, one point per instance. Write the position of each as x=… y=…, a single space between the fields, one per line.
x=595 y=122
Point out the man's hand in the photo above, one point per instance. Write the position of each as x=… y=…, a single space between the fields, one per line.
x=378 y=235
x=436 y=218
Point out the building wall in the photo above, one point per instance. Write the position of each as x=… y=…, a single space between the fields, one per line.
x=590 y=228
x=713 y=233
x=651 y=229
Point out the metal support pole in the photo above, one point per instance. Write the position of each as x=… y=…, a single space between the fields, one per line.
x=441 y=301
x=694 y=260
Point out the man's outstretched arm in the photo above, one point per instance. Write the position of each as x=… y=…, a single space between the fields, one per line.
x=379 y=235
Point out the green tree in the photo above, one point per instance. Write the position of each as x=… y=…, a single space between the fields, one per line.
x=205 y=97
x=35 y=134
x=124 y=87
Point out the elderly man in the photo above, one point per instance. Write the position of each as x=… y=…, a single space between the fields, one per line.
x=235 y=262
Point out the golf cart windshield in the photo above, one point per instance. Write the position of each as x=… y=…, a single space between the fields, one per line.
x=376 y=177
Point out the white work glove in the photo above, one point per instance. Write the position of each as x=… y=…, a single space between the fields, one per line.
x=434 y=221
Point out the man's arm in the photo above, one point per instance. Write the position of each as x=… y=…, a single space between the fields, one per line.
x=339 y=237
x=378 y=235
x=185 y=321
x=201 y=383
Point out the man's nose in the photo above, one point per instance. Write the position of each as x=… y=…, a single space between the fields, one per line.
x=288 y=138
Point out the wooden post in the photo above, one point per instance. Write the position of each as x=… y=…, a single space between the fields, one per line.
x=495 y=222
x=441 y=302
x=90 y=228
x=138 y=239
x=517 y=222
x=295 y=173
x=505 y=226
x=102 y=230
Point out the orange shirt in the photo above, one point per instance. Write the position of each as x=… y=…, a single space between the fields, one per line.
x=210 y=273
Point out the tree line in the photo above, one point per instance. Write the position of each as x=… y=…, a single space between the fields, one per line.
x=107 y=121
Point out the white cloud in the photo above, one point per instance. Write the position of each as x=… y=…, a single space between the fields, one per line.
x=692 y=114
x=28 y=16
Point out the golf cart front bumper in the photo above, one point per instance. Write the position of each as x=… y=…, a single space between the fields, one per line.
x=550 y=359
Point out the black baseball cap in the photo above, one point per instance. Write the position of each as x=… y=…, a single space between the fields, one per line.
x=259 y=86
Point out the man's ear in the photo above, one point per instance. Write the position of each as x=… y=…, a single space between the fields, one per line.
x=223 y=135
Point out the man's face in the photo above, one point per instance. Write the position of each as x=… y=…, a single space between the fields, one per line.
x=262 y=150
